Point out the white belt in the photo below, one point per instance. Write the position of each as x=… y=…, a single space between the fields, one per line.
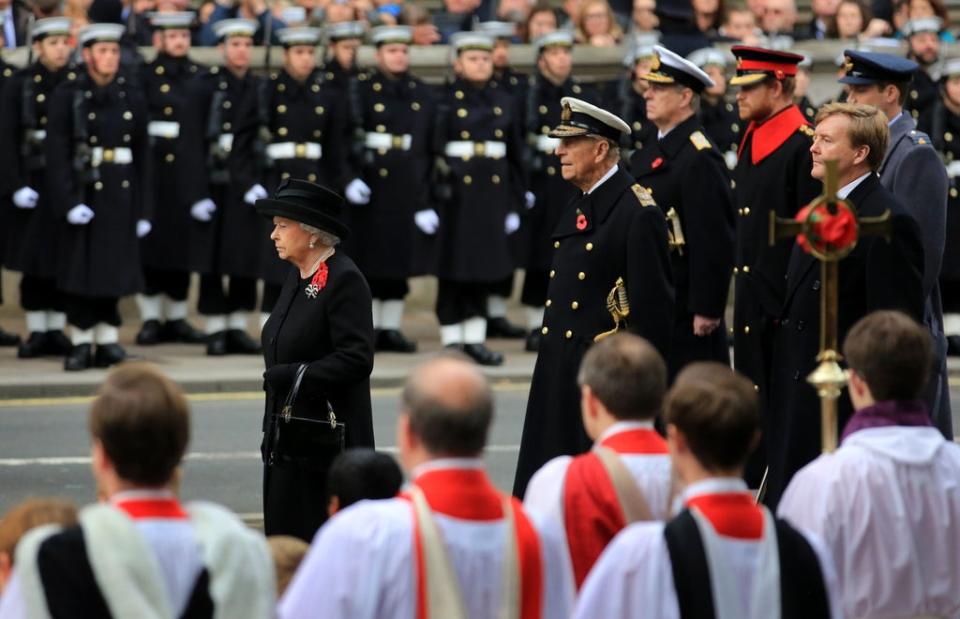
x=387 y=141
x=37 y=135
x=294 y=150
x=225 y=142
x=120 y=155
x=953 y=170
x=547 y=144
x=467 y=149
x=163 y=129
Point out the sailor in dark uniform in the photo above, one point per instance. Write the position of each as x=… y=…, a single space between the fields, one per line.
x=611 y=270
x=503 y=33
x=166 y=251
x=923 y=40
x=340 y=64
x=99 y=175
x=33 y=224
x=392 y=115
x=479 y=145
x=629 y=100
x=718 y=115
x=6 y=71
x=801 y=97
x=224 y=228
x=687 y=176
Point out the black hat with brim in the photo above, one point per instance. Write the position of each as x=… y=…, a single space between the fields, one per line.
x=307 y=203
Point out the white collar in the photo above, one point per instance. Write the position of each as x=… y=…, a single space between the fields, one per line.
x=624 y=426
x=603 y=179
x=894 y=119
x=441 y=464
x=662 y=134
x=847 y=189
x=141 y=495
x=714 y=485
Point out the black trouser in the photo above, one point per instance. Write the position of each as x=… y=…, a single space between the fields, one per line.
x=173 y=284
x=459 y=301
x=216 y=299
x=85 y=312
x=388 y=289
x=271 y=292
x=39 y=294
x=294 y=501
x=535 y=284
x=503 y=288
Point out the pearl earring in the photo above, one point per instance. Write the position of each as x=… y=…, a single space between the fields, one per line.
x=311 y=244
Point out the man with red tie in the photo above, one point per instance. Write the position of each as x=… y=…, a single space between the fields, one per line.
x=723 y=555
x=582 y=502
x=450 y=545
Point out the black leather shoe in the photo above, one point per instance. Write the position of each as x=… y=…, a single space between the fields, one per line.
x=181 y=331
x=109 y=354
x=239 y=343
x=533 y=340
x=482 y=355
x=953 y=345
x=217 y=344
x=392 y=340
x=80 y=358
x=58 y=344
x=9 y=339
x=502 y=328
x=454 y=347
x=149 y=334
x=35 y=346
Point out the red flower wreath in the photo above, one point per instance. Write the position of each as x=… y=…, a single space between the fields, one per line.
x=829 y=232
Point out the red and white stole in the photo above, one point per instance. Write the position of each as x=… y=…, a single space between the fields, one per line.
x=467 y=494
x=592 y=509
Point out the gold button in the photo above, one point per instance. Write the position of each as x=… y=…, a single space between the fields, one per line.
x=746 y=329
x=637 y=126
x=381 y=128
x=542 y=109
x=38 y=78
x=735 y=270
x=746 y=268
x=159 y=70
x=281 y=87
x=498 y=133
x=384 y=172
x=496 y=179
x=556 y=244
x=168 y=111
x=467 y=179
x=415 y=106
x=377 y=86
x=462 y=112
x=735 y=127
x=746 y=211
x=128 y=115
x=169 y=158
x=315 y=88
x=227 y=105
x=553 y=272
x=43 y=120
x=284 y=176
x=551 y=170
x=281 y=109
x=948 y=136
x=458 y=94
x=312 y=177
x=93 y=139
x=568 y=334
x=91 y=116
x=581 y=276
x=126 y=138
x=589 y=246
x=497 y=110
x=226 y=126
x=544 y=330
x=740 y=212
x=282 y=131
x=574 y=305
x=953 y=192
x=125 y=184
x=914 y=95
x=165 y=88
x=465 y=135
x=378 y=107
x=98 y=185
x=733 y=184
x=317 y=133
x=41 y=98
x=544 y=130
x=549 y=302
x=756 y=388
x=319 y=110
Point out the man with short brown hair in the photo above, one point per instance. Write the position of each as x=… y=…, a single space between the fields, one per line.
x=877 y=274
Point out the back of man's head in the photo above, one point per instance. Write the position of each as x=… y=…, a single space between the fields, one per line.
x=717 y=411
x=891 y=353
x=627 y=374
x=359 y=474
x=142 y=420
x=449 y=405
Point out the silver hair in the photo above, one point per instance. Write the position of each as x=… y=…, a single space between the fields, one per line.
x=323 y=237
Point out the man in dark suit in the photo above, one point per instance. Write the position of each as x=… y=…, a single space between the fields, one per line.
x=880 y=273
x=699 y=214
x=611 y=269
x=914 y=173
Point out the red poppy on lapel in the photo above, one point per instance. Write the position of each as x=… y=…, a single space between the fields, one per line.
x=657 y=163
x=581 y=221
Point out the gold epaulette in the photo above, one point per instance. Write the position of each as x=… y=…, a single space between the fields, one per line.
x=699 y=140
x=807 y=130
x=644 y=196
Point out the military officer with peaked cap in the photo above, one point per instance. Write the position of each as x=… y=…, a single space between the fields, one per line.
x=687 y=176
x=478 y=139
x=297 y=129
x=223 y=227
x=719 y=117
x=99 y=173
x=914 y=173
x=33 y=226
x=166 y=251
x=610 y=249
x=392 y=115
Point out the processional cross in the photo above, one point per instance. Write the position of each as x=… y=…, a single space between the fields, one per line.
x=828 y=228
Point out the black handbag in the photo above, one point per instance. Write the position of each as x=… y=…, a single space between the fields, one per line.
x=306 y=443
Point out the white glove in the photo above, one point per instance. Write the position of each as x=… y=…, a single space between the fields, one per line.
x=80 y=215
x=203 y=210
x=529 y=199
x=255 y=193
x=427 y=220
x=358 y=192
x=143 y=228
x=512 y=223
x=25 y=197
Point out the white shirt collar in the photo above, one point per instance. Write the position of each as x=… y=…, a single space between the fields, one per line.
x=441 y=464
x=610 y=172
x=894 y=119
x=847 y=189
x=714 y=485
x=662 y=134
x=624 y=426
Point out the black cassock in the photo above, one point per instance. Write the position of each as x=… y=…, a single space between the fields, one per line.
x=333 y=333
x=611 y=233
x=685 y=172
x=877 y=275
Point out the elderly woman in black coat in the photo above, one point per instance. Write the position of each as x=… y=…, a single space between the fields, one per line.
x=323 y=319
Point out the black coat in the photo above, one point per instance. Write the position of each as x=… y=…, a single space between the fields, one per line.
x=779 y=182
x=877 y=275
x=165 y=82
x=702 y=267
x=623 y=235
x=222 y=245
x=923 y=93
x=722 y=124
x=31 y=234
x=472 y=243
x=383 y=230
x=101 y=258
x=943 y=127
x=633 y=111
x=285 y=110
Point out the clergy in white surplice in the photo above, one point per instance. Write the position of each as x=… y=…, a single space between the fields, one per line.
x=887 y=502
